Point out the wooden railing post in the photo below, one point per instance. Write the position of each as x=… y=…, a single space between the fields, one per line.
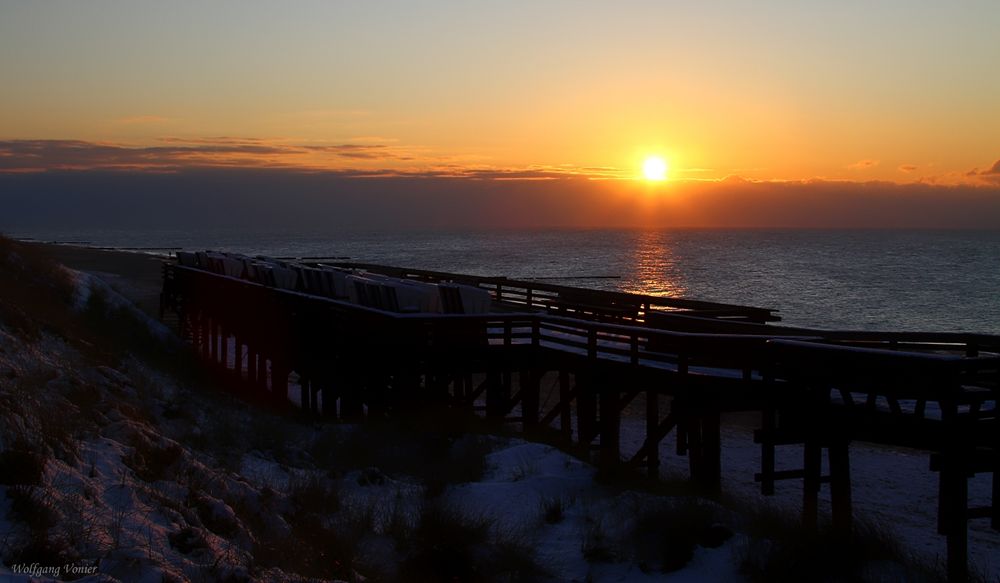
x=652 y=425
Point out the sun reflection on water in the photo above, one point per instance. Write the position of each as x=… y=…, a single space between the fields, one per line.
x=654 y=269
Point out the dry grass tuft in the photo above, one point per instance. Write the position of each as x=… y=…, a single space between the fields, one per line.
x=452 y=545
x=780 y=549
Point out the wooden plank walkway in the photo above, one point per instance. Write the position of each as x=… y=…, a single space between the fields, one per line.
x=598 y=352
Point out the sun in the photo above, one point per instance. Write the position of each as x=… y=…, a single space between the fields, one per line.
x=654 y=168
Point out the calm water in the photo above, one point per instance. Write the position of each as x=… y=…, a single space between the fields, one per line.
x=886 y=280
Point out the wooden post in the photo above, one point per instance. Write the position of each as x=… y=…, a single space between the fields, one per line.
x=652 y=425
x=953 y=503
x=958 y=534
x=330 y=391
x=586 y=412
x=203 y=334
x=224 y=336
x=252 y=367
x=529 y=398
x=506 y=385
x=222 y=353
x=683 y=418
x=565 y=413
x=682 y=434
x=351 y=405
x=767 y=465
x=840 y=486
x=692 y=424
x=314 y=398
x=212 y=341
x=467 y=390
x=711 y=450
x=610 y=421
x=810 y=484
x=376 y=395
x=995 y=513
x=220 y=339
x=238 y=357
x=261 y=371
x=279 y=381
x=495 y=403
x=458 y=391
x=305 y=393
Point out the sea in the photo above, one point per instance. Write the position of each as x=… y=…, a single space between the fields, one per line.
x=893 y=280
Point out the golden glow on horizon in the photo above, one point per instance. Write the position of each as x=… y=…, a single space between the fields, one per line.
x=655 y=168
x=516 y=100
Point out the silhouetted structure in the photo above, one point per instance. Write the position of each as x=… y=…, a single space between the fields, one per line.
x=364 y=340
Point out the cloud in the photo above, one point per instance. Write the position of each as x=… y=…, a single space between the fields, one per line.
x=907 y=168
x=361 y=151
x=142 y=120
x=990 y=175
x=863 y=164
x=173 y=154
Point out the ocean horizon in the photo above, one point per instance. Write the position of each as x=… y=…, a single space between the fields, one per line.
x=891 y=280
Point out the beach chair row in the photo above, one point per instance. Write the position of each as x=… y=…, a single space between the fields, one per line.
x=356 y=286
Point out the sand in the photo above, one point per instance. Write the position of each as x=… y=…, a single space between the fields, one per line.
x=137 y=276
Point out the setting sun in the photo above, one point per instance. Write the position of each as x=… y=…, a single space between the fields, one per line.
x=654 y=168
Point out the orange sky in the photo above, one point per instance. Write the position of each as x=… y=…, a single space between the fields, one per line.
x=854 y=92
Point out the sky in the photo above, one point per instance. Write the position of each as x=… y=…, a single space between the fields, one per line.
x=797 y=97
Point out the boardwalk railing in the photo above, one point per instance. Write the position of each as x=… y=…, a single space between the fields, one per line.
x=574 y=301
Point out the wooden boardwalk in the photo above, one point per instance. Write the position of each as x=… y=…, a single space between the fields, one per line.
x=594 y=353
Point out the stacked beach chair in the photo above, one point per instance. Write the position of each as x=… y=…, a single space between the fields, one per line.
x=365 y=288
